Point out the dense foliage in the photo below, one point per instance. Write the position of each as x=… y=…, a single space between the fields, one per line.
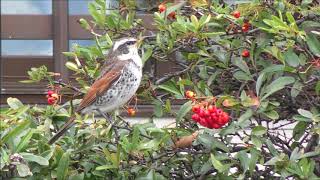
x=252 y=107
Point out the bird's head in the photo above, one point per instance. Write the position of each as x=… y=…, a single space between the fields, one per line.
x=126 y=48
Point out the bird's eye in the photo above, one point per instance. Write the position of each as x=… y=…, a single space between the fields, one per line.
x=131 y=42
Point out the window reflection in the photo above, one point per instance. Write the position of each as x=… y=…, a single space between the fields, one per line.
x=26 y=6
x=26 y=47
x=80 y=43
x=77 y=7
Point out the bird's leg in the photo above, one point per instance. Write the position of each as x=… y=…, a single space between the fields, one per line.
x=106 y=116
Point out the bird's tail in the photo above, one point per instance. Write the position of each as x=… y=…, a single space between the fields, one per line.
x=64 y=128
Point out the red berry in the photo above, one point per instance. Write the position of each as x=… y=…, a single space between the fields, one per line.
x=195 y=117
x=190 y=94
x=245 y=27
x=50 y=92
x=216 y=126
x=225 y=117
x=172 y=15
x=214 y=116
x=202 y=112
x=212 y=109
x=207 y=113
x=51 y=100
x=196 y=109
x=245 y=53
x=162 y=8
x=203 y=122
x=236 y=14
x=219 y=112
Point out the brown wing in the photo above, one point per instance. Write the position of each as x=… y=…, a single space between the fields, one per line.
x=102 y=84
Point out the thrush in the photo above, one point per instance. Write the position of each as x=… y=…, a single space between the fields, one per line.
x=118 y=82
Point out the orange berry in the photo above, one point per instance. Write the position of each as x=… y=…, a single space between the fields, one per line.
x=131 y=112
x=190 y=94
x=162 y=8
x=55 y=96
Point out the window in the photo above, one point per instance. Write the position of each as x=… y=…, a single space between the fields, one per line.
x=26 y=7
x=26 y=48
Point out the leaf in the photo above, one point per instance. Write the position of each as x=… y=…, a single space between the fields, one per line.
x=34 y=158
x=170 y=88
x=291 y=58
x=106 y=167
x=16 y=131
x=260 y=80
x=146 y=55
x=14 y=103
x=277 y=85
x=243 y=157
x=24 y=141
x=23 y=170
x=242 y=76
x=242 y=65
x=152 y=144
x=218 y=165
x=248 y=114
x=259 y=130
x=299 y=130
x=62 y=170
x=186 y=141
x=184 y=109
x=296 y=89
x=314 y=44
x=272 y=114
x=305 y=113
x=72 y=66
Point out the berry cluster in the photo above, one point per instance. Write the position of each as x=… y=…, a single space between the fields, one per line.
x=52 y=97
x=162 y=8
x=210 y=116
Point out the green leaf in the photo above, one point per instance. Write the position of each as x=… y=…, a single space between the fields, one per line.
x=305 y=113
x=149 y=145
x=277 y=85
x=146 y=55
x=184 y=109
x=72 y=66
x=242 y=76
x=296 y=89
x=299 y=130
x=34 y=158
x=314 y=44
x=14 y=103
x=23 y=170
x=84 y=24
x=259 y=130
x=243 y=157
x=242 y=65
x=24 y=141
x=317 y=88
x=16 y=131
x=291 y=58
x=246 y=116
x=217 y=164
x=260 y=80
x=272 y=114
x=106 y=167
x=170 y=88
x=62 y=170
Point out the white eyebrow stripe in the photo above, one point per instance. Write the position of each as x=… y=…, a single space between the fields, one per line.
x=122 y=41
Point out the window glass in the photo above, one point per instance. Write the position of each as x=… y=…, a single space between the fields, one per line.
x=26 y=6
x=80 y=43
x=77 y=7
x=26 y=47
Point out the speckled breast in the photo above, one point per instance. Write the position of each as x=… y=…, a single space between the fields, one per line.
x=122 y=90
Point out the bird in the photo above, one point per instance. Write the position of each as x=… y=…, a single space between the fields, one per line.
x=119 y=79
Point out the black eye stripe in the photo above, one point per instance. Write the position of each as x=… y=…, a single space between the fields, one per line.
x=131 y=42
